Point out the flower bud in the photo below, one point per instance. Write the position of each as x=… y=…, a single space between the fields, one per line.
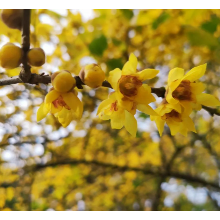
x=63 y=81
x=12 y=18
x=92 y=75
x=36 y=57
x=10 y=56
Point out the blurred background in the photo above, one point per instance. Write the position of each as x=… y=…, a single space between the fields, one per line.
x=88 y=165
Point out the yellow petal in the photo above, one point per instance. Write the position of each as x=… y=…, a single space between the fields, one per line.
x=174 y=126
x=147 y=74
x=174 y=85
x=176 y=107
x=208 y=100
x=174 y=74
x=79 y=110
x=70 y=99
x=118 y=119
x=160 y=124
x=183 y=130
x=144 y=95
x=103 y=116
x=170 y=99
x=54 y=109
x=197 y=88
x=187 y=105
x=103 y=105
x=188 y=123
x=131 y=66
x=196 y=106
x=113 y=78
x=51 y=96
x=126 y=104
x=130 y=123
x=146 y=109
x=195 y=73
x=162 y=109
x=43 y=111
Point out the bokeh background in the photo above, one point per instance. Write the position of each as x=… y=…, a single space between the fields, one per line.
x=89 y=166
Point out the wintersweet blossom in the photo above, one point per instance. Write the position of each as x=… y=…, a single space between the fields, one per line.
x=120 y=112
x=177 y=121
x=186 y=91
x=128 y=82
x=64 y=106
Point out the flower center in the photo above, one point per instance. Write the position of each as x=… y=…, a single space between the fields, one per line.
x=114 y=106
x=60 y=102
x=172 y=115
x=129 y=85
x=183 y=91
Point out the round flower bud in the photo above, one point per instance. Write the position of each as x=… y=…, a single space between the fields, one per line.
x=12 y=18
x=10 y=56
x=63 y=81
x=36 y=57
x=92 y=75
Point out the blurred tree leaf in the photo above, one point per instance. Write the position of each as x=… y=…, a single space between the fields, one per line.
x=98 y=45
x=115 y=63
x=211 y=26
x=162 y=18
x=199 y=37
x=128 y=13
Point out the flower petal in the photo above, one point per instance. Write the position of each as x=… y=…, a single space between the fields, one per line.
x=113 y=78
x=103 y=116
x=170 y=99
x=146 y=109
x=187 y=105
x=147 y=74
x=163 y=109
x=174 y=74
x=103 y=105
x=51 y=96
x=144 y=95
x=130 y=66
x=174 y=126
x=70 y=99
x=197 y=88
x=43 y=111
x=208 y=100
x=195 y=73
x=130 y=123
x=160 y=124
x=188 y=123
x=54 y=109
x=118 y=119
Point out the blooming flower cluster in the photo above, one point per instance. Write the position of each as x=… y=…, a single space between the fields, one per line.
x=184 y=93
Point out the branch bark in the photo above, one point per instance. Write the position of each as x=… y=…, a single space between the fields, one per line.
x=25 y=73
x=151 y=171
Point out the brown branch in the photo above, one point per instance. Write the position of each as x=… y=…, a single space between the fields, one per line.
x=151 y=171
x=46 y=79
x=211 y=111
x=9 y=81
x=25 y=73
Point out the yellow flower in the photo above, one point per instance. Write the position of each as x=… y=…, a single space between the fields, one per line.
x=175 y=119
x=185 y=91
x=128 y=82
x=64 y=106
x=120 y=112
